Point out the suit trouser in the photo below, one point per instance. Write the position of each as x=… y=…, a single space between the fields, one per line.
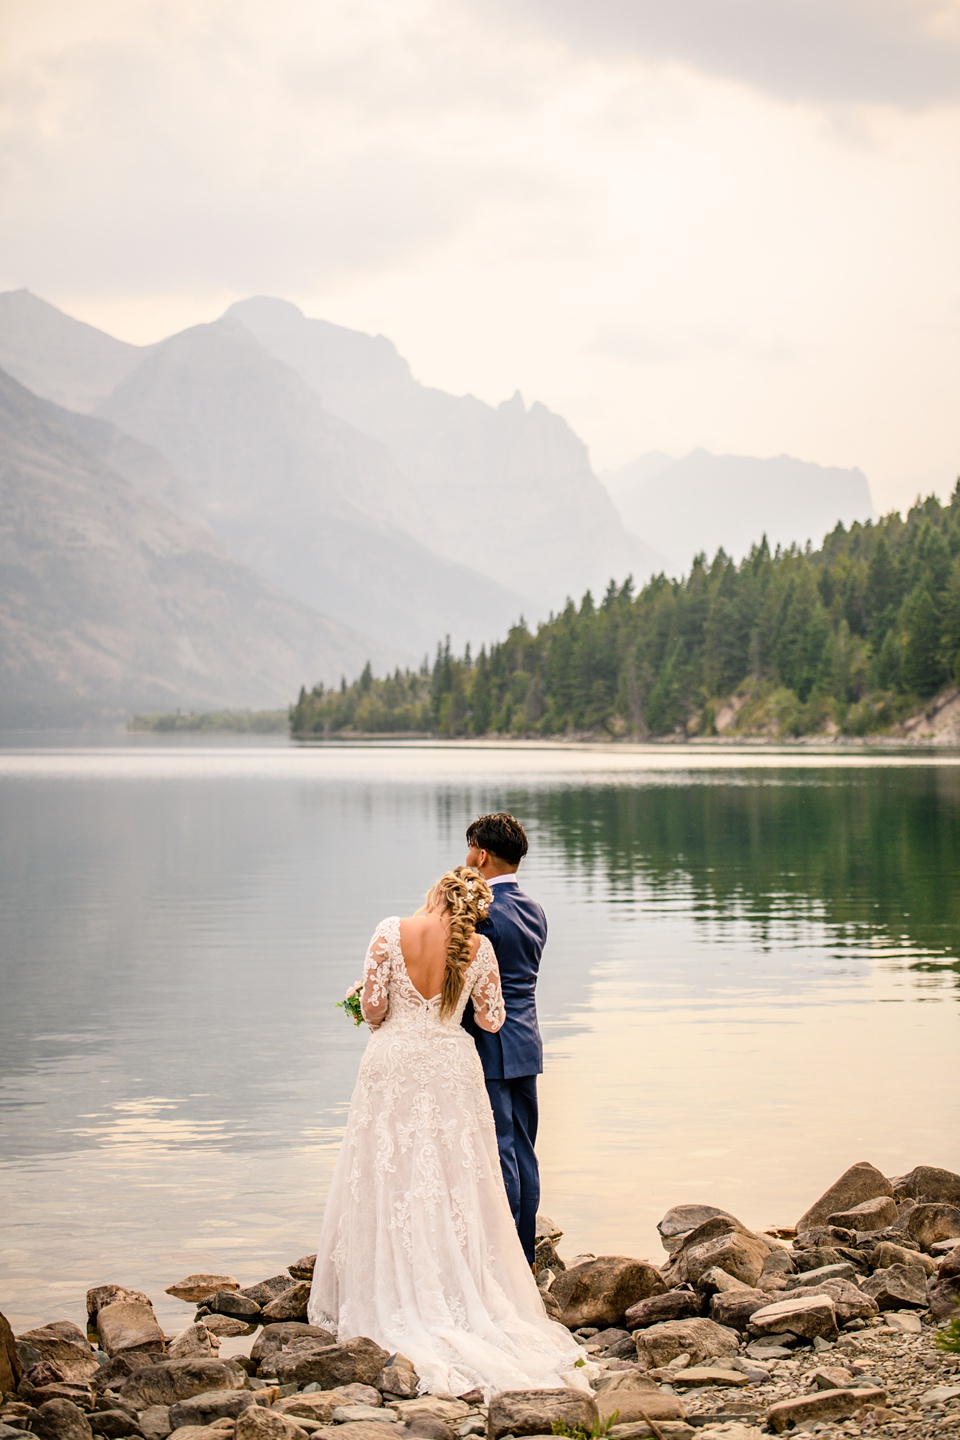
x=514 y=1104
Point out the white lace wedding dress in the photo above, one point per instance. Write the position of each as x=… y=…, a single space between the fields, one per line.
x=418 y=1249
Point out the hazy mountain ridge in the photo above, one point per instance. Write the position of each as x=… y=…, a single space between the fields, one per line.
x=57 y=357
x=110 y=600
x=706 y=502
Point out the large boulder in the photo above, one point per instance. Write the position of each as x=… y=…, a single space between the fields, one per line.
x=234 y=1304
x=210 y=1405
x=171 y=1380
x=356 y=1361
x=809 y=1317
x=535 y=1412
x=266 y=1290
x=303 y=1268
x=600 y=1292
x=875 y=1214
x=931 y=1222
x=196 y=1288
x=928 y=1183
x=61 y=1420
x=10 y=1367
x=72 y=1359
x=101 y=1295
x=681 y=1219
x=114 y=1424
x=699 y=1338
x=943 y=1298
x=274 y=1338
x=129 y=1325
x=889 y=1253
x=849 y=1301
x=734 y=1308
x=862 y=1181
x=194 y=1340
x=672 y=1305
x=720 y=1242
x=804 y=1411
x=632 y=1400
x=291 y=1305
x=258 y=1423
x=317 y=1405
x=899 y=1287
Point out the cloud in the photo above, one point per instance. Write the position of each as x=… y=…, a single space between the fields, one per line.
x=903 y=53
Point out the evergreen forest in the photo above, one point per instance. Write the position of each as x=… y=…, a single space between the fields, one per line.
x=848 y=638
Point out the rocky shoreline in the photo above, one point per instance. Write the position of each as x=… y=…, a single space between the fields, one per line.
x=826 y=1327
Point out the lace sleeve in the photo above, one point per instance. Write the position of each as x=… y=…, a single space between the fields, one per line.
x=485 y=992
x=375 y=995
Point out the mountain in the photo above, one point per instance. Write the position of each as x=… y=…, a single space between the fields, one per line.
x=507 y=489
x=110 y=601
x=707 y=501
x=303 y=498
x=57 y=357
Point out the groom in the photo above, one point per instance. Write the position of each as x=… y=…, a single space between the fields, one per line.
x=513 y=1057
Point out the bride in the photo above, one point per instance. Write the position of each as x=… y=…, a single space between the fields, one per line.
x=418 y=1248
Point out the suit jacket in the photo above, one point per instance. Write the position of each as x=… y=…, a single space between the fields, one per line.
x=517 y=928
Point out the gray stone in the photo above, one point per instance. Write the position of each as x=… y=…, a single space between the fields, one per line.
x=673 y=1305
x=196 y=1288
x=535 y=1412
x=875 y=1214
x=633 y=1401
x=805 y=1316
x=888 y=1253
x=171 y=1380
x=258 y=1423
x=699 y=1338
x=61 y=1420
x=718 y=1282
x=831 y=1377
x=102 y=1295
x=601 y=1291
x=862 y=1181
x=693 y=1376
x=114 y=1424
x=547 y=1229
x=441 y=1407
x=303 y=1268
x=129 y=1325
x=929 y=1222
x=318 y=1405
x=10 y=1367
x=735 y=1308
x=208 y=1406
x=843 y=1271
x=940 y=1395
x=273 y=1338
x=225 y=1326
x=399 y=1380
x=928 y=1182
x=361 y=1430
x=681 y=1219
x=849 y=1300
x=546 y=1258
x=266 y=1290
x=231 y=1302
x=72 y=1359
x=155 y=1422
x=357 y=1360
x=805 y=1410
x=779 y=1262
x=291 y=1305
x=378 y=1414
x=428 y=1427
x=195 y=1340
x=898 y=1287
x=943 y=1297
x=722 y=1242
x=904 y=1322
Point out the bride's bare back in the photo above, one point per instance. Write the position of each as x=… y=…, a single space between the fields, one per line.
x=424 y=940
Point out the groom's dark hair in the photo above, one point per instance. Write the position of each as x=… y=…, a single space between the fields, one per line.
x=501 y=834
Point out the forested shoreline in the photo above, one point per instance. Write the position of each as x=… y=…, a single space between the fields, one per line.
x=848 y=638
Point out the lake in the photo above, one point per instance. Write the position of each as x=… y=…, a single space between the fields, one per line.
x=751 y=981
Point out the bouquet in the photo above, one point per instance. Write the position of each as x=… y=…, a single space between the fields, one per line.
x=350 y=1004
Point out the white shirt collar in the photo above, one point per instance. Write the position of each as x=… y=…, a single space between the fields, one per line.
x=501 y=879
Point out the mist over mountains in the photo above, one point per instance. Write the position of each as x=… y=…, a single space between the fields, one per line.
x=269 y=500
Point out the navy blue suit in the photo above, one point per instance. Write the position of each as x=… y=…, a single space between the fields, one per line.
x=513 y=1057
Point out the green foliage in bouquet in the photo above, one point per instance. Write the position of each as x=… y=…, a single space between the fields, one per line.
x=948 y=1339
x=350 y=1005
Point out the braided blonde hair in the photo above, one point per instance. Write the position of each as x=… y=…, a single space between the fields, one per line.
x=466 y=897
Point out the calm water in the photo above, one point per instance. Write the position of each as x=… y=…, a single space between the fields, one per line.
x=751 y=981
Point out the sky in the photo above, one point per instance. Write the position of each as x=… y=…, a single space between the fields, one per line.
x=678 y=223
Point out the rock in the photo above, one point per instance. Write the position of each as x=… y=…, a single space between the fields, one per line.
x=849 y=1301
x=887 y=1253
x=534 y=1412
x=636 y=1402
x=291 y=1305
x=779 y=1262
x=817 y=1258
x=303 y=1268
x=806 y=1410
x=897 y=1287
x=194 y=1340
x=694 y=1375
x=673 y=1305
x=196 y=1288
x=843 y=1271
x=397 y=1380
x=701 y=1339
x=318 y=1405
x=129 y=1325
x=717 y=1282
x=113 y=1424
x=831 y=1377
x=681 y=1219
x=601 y=1291
x=225 y=1327
x=61 y=1420
x=722 y=1242
x=927 y=1183
x=546 y=1258
x=875 y=1214
x=102 y=1295
x=231 y=1302
x=72 y=1359
x=205 y=1432
x=171 y=1380
x=258 y=1423
x=862 y=1181
x=10 y=1367
x=428 y=1427
x=949 y=1264
x=547 y=1229
x=904 y=1322
x=113 y=1373
x=266 y=1290
x=274 y=1337
x=943 y=1297
x=357 y=1360
x=940 y=1395
x=210 y=1405
x=441 y=1407
x=155 y=1422
x=805 y=1316
x=930 y=1222
x=735 y=1308
x=377 y=1414
x=361 y=1430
